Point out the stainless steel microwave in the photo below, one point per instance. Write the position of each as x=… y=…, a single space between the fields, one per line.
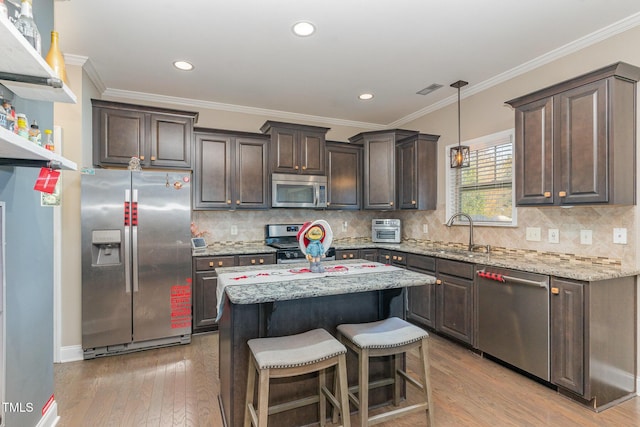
x=298 y=191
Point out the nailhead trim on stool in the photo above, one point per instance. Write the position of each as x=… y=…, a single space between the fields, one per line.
x=389 y=337
x=293 y=355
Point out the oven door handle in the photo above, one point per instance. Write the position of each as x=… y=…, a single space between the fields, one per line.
x=517 y=280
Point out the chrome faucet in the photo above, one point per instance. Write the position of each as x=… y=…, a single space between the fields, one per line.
x=450 y=223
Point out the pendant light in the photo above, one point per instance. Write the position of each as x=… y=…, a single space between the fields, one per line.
x=459 y=155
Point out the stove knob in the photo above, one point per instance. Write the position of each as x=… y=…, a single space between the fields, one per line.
x=287 y=254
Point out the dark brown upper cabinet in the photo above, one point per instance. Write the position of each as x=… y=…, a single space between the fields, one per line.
x=159 y=137
x=575 y=141
x=298 y=149
x=231 y=170
x=344 y=176
x=400 y=169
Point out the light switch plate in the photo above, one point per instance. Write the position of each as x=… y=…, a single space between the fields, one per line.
x=620 y=236
x=586 y=237
x=554 y=235
x=533 y=234
x=425 y=228
x=234 y=230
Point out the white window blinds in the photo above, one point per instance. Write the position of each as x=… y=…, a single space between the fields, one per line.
x=485 y=189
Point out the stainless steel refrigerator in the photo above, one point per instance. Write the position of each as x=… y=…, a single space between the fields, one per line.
x=136 y=260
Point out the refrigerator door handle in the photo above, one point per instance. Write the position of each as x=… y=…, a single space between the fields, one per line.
x=134 y=235
x=127 y=241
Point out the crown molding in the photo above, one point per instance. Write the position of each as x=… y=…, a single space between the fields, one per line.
x=569 y=48
x=87 y=66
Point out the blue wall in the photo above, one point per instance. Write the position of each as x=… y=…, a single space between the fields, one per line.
x=29 y=269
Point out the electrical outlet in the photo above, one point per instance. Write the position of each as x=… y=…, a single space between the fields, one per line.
x=533 y=234
x=554 y=235
x=586 y=237
x=345 y=225
x=425 y=228
x=620 y=236
x=234 y=230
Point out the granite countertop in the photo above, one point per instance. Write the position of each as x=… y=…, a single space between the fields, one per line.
x=567 y=266
x=319 y=286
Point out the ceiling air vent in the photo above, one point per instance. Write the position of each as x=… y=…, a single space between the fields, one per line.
x=427 y=90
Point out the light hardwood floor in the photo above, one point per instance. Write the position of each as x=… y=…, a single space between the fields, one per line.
x=178 y=386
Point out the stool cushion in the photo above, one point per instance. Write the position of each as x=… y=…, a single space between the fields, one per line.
x=387 y=333
x=295 y=350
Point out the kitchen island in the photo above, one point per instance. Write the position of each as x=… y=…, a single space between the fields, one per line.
x=284 y=307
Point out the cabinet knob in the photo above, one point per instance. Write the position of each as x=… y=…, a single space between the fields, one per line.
x=386 y=257
x=210 y=263
x=141 y=157
x=328 y=203
x=413 y=202
x=555 y=291
x=237 y=202
x=350 y=255
x=228 y=202
x=438 y=282
x=344 y=256
x=399 y=258
x=261 y=261
x=296 y=167
x=153 y=158
x=562 y=193
x=390 y=203
x=395 y=257
x=304 y=168
x=547 y=194
x=219 y=263
x=253 y=261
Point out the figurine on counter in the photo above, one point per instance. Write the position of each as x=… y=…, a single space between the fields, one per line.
x=314 y=239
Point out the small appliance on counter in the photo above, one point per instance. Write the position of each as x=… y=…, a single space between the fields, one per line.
x=284 y=238
x=385 y=231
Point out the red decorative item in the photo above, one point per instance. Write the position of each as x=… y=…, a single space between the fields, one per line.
x=47 y=180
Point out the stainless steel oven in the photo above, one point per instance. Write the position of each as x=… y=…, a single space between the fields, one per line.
x=283 y=237
x=385 y=231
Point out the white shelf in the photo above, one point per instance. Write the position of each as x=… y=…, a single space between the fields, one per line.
x=19 y=57
x=16 y=147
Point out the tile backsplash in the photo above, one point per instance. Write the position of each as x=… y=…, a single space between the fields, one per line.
x=249 y=226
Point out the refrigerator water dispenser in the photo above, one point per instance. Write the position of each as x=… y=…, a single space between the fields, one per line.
x=105 y=247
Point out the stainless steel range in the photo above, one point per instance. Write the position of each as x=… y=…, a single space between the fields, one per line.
x=284 y=238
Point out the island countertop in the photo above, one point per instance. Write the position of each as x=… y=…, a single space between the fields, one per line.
x=387 y=277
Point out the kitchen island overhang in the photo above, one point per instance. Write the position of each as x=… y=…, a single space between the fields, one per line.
x=288 y=307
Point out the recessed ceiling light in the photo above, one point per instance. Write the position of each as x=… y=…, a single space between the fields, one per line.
x=183 y=65
x=303 y=28
x=365 y=96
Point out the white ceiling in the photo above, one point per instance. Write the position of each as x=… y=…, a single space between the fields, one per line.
x=247 y=59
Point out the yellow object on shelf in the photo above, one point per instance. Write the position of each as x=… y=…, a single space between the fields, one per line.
x=55 y=59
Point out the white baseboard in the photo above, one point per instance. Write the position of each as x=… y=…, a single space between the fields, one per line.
x=71 y=353
x=50 y=418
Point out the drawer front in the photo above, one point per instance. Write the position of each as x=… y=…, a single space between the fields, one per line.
x=343 y=254
x=421 y=262
x=211 y=263
x=256 y=259
x=455 y=268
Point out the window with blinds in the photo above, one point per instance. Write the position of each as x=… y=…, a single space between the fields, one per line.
x=485 y=189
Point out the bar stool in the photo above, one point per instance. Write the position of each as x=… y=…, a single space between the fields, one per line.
x=389 y=337
x=292 y=355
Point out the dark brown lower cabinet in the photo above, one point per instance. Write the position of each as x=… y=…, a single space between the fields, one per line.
x=593 y=340
x=368 y=254
x=205 y=285
x=454 y=300
x=421 y=304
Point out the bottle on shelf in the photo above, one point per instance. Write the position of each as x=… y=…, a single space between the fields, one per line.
x=55 y=59
x=27 y=26
x=23 y=130
x=48 y=140
x=34 y=133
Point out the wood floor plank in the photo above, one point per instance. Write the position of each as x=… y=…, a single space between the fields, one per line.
x=179 y=386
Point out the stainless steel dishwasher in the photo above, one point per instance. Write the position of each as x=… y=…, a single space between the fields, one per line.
x=513 y=318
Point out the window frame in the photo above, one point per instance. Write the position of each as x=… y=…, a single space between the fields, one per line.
x=475 y=144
